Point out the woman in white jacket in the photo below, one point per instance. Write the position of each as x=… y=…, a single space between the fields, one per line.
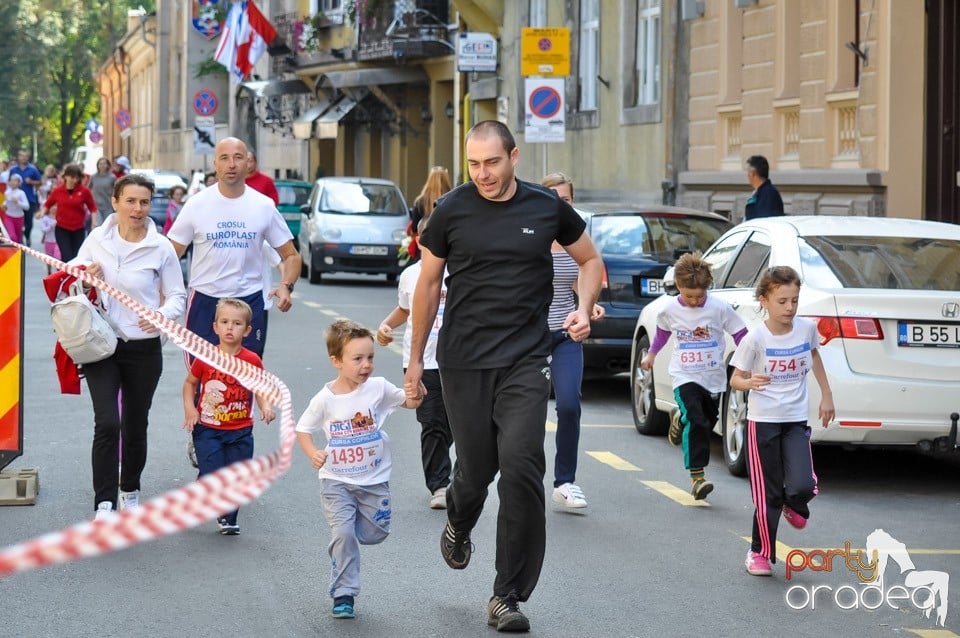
x=128 y=253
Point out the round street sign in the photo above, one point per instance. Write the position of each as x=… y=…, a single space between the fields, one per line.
x=205 y=102
x=96 y=137
x=545 y=102
x=544 y=44
x=123 y=119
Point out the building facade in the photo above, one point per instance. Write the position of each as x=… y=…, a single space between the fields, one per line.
x=824 y=89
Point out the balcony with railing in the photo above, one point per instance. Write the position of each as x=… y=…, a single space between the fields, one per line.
x=402 y=29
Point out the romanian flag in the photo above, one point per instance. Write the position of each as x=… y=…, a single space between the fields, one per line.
x=246 y=34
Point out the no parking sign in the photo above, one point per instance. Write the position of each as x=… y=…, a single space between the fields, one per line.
x=545 y=112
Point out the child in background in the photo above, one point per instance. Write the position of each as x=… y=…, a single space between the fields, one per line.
x=47 y=225
x=15 y=207
x=435 y=436
x=772 y=364
x=698 y=322
x=355 y=464
x=222 y=419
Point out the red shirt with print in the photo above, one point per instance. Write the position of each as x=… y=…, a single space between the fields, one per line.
x=72 y=205
x=224 y=404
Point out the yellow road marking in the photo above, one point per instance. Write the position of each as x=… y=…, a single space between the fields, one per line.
x=933 y=633
x=312 y=304
x=552 y=426
x=329 y=313
x=614 y=461
x=675 y=493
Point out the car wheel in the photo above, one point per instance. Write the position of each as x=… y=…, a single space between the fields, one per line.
x=315 y=275
x=646 y=417
x=734 y=431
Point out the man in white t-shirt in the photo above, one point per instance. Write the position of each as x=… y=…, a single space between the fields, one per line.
x=228 y=226
x=435 y=435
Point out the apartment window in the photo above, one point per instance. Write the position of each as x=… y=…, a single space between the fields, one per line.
x=538 y=13
x=589 y=54
x=329 y=8
x=640 y=67
x=646 y=68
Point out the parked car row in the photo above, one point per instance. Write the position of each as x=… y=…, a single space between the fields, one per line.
x=885 y=295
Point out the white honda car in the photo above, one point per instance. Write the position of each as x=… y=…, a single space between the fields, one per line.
x=885 y=294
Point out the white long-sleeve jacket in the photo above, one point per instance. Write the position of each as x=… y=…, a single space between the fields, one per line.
x=148 y=270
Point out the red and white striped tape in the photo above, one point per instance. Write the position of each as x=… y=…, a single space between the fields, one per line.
x=209 y=497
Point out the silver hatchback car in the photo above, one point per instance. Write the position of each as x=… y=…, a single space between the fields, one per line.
x=353 y=225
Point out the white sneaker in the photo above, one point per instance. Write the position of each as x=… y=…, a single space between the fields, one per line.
x=129 y=500
x=570 y=496
x=439 y=499
x=104 y=510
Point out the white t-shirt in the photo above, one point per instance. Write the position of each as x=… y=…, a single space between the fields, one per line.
x=698 y=333
x=405 y=289
x=359 y=451
x=787 y=359
x=227 y=236
x=271 y=259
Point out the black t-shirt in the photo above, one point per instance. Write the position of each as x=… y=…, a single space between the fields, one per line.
x=500 y=281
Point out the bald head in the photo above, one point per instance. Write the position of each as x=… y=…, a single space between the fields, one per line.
x=230 y=164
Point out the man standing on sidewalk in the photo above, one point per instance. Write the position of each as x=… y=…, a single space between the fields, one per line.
x=493 y=234
x=765 y=200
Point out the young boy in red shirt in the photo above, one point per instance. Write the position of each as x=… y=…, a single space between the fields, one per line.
x=221 y=415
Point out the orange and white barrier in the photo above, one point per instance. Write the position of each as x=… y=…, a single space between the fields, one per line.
x=209 y=497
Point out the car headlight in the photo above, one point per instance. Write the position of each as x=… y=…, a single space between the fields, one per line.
x=331 y=234
x=399 y=234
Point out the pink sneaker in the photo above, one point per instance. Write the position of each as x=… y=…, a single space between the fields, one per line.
x=793 y=518
x=757 y=564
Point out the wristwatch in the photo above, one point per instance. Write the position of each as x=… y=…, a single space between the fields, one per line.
x=288 y=285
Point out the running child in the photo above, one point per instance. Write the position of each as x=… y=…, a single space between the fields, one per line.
x=772 y=363
x=221 y=420
x=697 y=321
x=435 y=436
x=354 y=484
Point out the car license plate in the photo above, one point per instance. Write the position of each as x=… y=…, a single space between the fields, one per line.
x=368 y=250
x=651 y=287
x=928 y=335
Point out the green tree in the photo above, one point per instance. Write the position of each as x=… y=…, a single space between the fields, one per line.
x=52 y=49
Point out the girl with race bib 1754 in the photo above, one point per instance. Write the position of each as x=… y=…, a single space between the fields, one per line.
x=772 y=363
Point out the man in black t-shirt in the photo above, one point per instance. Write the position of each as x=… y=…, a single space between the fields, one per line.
x=493 y=235
x=765 y=200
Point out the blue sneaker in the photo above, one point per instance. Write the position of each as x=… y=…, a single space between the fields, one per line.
x=343 y=607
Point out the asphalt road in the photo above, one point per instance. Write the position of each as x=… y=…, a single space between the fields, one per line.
x=643 y=561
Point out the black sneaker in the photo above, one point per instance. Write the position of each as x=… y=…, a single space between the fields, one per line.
x=504 y=614
x=701 y=488
x=455 y=547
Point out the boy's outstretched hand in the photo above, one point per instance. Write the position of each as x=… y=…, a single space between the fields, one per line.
x=268 y=415
x=191 y=418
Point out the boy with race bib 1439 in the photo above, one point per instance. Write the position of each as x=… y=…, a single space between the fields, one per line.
x=355 y=464
x=697 y=321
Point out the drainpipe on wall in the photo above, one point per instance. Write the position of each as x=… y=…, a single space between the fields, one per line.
x=678 y=126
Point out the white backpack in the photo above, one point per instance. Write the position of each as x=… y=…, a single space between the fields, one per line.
x=83 y=329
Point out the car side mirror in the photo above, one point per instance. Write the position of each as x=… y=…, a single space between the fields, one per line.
x=669 y=283
x=305 y=209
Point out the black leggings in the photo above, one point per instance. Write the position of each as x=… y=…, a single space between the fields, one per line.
x=122 y=388
x=781 y=473
x=69 y=241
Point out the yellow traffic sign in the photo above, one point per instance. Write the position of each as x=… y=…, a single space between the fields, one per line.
x=545 y=51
